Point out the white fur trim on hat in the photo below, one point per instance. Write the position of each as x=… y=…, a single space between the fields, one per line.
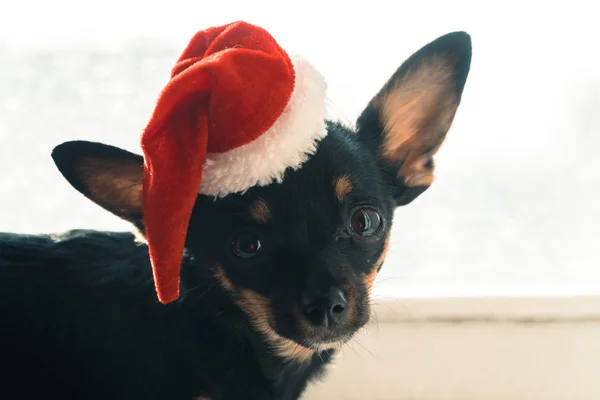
x=290 y=141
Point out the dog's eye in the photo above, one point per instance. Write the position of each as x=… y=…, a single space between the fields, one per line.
x=365 y=222
x=246 y=245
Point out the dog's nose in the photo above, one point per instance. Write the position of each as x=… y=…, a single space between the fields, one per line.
x=325 y=311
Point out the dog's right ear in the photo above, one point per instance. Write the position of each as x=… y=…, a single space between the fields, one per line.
x=405 y=124
x=109 y=176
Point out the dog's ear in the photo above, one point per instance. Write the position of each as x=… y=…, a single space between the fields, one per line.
x=407 y=121
x=109 y=176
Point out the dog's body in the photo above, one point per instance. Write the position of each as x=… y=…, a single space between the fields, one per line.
x=130 y=347
x=273 y=280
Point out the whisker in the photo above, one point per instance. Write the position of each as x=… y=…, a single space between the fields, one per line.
x=355 y=352
x=367 y=350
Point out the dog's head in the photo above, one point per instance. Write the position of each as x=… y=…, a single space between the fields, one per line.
x=299 y=257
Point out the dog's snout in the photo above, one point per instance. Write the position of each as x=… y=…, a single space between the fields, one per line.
x=325 y=311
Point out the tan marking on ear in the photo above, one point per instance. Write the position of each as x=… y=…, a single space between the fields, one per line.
x=116 y=186
x=258 y=309
x=343 y=187
x=417 y=112
x=370 y=277
x=260 y=211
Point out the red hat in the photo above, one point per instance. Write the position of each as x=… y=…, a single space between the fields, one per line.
x=237 y=113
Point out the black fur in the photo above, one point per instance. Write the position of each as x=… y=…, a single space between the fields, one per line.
x=80 y=318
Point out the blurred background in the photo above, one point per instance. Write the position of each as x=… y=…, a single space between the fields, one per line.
x=515 y=207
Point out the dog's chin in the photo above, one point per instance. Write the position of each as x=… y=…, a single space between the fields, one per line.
x=324 y=342
x=329 y=346
x=320 y=338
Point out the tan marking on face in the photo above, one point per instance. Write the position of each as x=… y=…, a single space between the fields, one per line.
x=417 y=112
x=370 y=277
x=260 y=211
x=258 y=309
x=343 y=187
x=223 y=279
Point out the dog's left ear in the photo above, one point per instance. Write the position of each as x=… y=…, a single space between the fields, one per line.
x=109 y=176
x=407 y=121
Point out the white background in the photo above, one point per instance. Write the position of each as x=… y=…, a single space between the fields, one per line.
x=515 y=207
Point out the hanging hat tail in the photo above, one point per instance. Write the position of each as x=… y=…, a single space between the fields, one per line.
x=175 y=144
x=172 y=175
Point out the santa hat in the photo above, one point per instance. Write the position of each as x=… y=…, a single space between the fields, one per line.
x=236 y=113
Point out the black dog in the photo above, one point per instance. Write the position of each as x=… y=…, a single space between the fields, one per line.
x=273 y=280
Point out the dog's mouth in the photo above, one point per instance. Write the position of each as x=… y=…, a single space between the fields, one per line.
x=318 y=338
x=327 y=345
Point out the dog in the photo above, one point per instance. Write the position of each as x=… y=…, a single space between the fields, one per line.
x=273 y=280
